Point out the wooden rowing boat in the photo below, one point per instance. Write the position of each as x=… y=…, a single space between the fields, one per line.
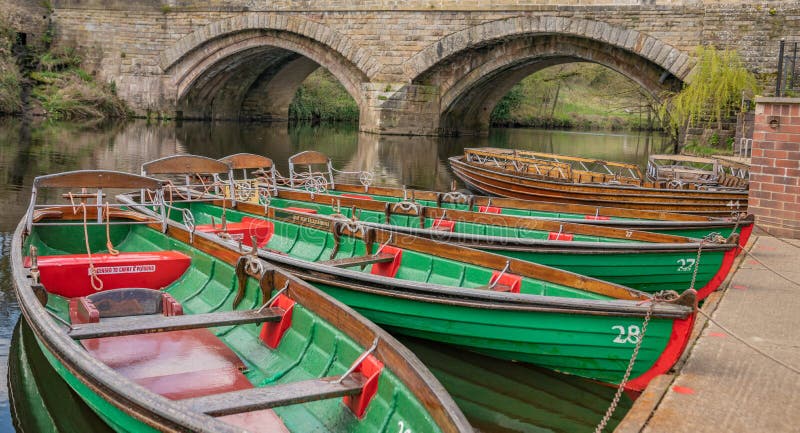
x=504 y=307
x=680 y=170
x=159 y=330
x=514 y=174
x=650 y=262
x=693 y=226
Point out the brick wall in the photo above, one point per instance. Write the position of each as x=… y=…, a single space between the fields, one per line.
x=775 y=170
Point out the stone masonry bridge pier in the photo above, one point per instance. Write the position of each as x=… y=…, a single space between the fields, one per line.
x=421 y=67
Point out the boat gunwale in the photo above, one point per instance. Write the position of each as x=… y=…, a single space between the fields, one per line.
x=536 y=205
x=575 y=226
x=129 y=397
x=169 y=415
x=484 y=299
x=510 y=242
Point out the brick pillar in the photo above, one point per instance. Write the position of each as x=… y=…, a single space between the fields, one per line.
x=775 y=170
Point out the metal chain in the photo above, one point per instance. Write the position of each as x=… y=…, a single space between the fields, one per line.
x=615 y=401
x=711 y=237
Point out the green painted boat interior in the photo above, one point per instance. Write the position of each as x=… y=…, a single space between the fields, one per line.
x=465 y=207
x=586 y=345
x=311 y=347
x=315 y=245
x=677 y=230
x=647 y=271
x=482 y=229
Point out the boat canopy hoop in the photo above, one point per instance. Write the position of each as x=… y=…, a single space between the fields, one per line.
x=86 y=180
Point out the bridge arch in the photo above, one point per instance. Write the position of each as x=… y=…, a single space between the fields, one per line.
x=250 y=65
x=473 y=69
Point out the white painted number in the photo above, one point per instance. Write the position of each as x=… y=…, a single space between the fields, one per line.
x=685 y=265
x=630 y=335
x=402 y=427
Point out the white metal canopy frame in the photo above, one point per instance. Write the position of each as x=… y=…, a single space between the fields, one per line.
x=97 y=180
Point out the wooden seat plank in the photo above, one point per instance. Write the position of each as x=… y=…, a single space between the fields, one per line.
x=359 y=261
x=151 y=324
x=247 y=400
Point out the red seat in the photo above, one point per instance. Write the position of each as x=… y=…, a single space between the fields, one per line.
x=553 y=236
x=596 y=217
x=489 y=209
x=388 y=269
x=179 y=365
x=506 y=283
x=443 y=225
x=244 y=230
x=68 y=275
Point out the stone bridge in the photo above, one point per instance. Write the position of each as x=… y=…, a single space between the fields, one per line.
x=413 y=66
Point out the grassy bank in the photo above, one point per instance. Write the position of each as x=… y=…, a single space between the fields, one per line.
x=576 y=95
x=59 y=88
x=66 y=92
x=10 y=77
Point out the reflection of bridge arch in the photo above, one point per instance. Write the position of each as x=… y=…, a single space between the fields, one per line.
x=251 y=65
x=473 y=69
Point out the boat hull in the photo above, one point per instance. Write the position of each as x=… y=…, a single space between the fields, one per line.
x=653 y=221
x=648 y=267
x=501 y=183
x=583 y=345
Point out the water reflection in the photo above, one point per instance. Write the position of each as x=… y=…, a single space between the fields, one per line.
x=28 y=150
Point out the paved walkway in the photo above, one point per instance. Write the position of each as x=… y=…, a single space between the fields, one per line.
x=724 y=386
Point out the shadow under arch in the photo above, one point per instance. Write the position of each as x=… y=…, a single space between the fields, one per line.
x=473 y=69
x=223 y=70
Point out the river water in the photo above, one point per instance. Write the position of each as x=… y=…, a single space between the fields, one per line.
x=497 y=396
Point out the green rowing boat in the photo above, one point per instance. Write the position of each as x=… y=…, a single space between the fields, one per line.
x=503 y=307
x=305 y=173
x=649 y=262
x=159 y=330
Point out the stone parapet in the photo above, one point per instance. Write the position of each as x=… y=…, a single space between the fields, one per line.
x=775 y=169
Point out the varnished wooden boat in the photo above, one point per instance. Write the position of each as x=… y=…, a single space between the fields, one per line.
x=506 y=308
x=680 y=170
x=514 y=174
x=693 y=226
x=159 y=330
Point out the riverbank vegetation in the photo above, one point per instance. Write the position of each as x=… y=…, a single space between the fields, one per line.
x=65 y=91
x=10 y=77
x=576 y=95
x=711 y=100
x=322 y=98
x=50 y=82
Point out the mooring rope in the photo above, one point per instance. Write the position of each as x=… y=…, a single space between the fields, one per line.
x=109 y=245
x=96 y=282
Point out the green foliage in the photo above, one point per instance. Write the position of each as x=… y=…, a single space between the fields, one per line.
x=696 y=149
x=714 y=93
x=59 y=60
x=10 y=77
x=322 y=98
x=576 y=95
x=510 y=102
